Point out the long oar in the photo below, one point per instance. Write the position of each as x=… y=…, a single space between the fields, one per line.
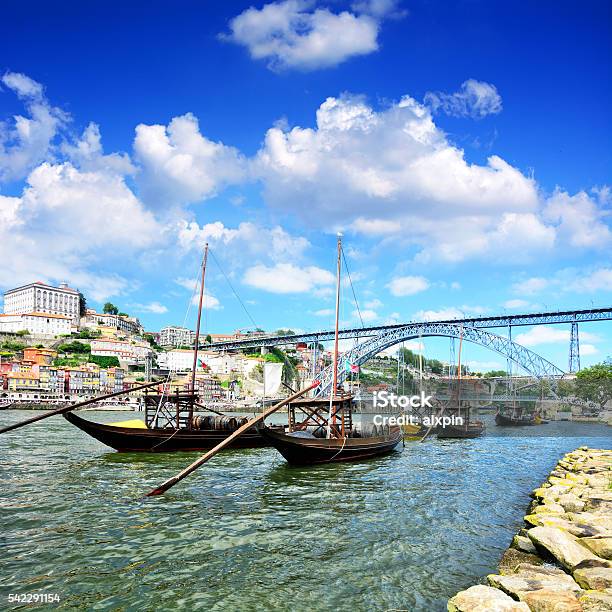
x=211 y=453
x=63 y=409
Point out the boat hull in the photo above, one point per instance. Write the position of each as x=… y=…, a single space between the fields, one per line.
x=451 y=432
x=501 y=419
x=127 y=439
x=310 y=451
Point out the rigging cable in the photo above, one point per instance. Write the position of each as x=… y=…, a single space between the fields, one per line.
x=234 y=291
x=352 y=288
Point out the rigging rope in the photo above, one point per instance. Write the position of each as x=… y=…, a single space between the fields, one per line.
x=352 y=288
x=233 y=290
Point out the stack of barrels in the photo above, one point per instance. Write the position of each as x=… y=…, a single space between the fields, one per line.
x=219 y=423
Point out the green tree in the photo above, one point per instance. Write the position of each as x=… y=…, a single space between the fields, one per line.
x=110 y=309
x=208 y=339
x=595 y=383
x=22 y=332
x=82 y=305
x=104 y=361
x=150 y=338
x=285 y=332
x=495 y=374
x=74 y=347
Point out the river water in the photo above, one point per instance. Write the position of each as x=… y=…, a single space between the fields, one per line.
x=247 y=532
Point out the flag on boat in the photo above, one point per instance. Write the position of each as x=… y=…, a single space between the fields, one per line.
x=201 y=364
x=351 y=368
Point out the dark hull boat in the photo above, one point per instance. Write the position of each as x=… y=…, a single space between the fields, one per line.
x=474 y=429
x=132 y=437
x=509 y=421
x=310 y=450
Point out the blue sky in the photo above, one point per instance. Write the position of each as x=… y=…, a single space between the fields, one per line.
x=463 y=149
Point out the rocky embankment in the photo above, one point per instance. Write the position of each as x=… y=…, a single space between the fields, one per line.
x=562 y=560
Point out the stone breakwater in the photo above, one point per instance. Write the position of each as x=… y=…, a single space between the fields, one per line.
x=562 y=560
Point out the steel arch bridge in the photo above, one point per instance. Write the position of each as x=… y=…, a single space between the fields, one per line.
x=529 y=361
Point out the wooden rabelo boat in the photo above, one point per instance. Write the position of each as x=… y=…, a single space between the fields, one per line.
x=306 y=441
x=321 y=430
x=171 y=422
x=159 y=433
x=515 y=419
x=470 y=429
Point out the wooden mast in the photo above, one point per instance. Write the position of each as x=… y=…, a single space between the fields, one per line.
x=197 y=336
x=332 y=419
x=459 y=374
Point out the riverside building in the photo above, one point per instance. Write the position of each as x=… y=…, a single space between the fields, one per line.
x=173 y=335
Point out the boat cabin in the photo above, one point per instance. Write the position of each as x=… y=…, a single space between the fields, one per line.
x=311 y=414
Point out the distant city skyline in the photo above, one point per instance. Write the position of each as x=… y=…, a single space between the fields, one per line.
x=462 y=149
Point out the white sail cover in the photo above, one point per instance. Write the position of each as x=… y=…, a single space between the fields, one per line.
x=273 y=373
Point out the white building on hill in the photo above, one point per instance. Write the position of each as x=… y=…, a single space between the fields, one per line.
x=173 y=335
x=126 y=352
x=39 y=297
x=37 y=323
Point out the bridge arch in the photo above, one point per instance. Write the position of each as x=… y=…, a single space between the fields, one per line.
x=526 y=359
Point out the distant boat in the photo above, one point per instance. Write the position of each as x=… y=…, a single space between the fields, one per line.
x=472 y=429
x=514 y=420
x=469 y=428
x=6 y=405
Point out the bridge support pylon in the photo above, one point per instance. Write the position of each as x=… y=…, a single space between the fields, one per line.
x=574 y=350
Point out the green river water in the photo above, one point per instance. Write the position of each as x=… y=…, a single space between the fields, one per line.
x=247 y=532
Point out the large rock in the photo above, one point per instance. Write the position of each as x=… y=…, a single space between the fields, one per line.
x=581 y=530
x=597 y=578
x=524 y=544
x=513 y=557
x=481 y=598
x=564 y=547
x=596 y=601
x=533 y=578
x=602 y=547
x=549 y=508
x=571 y=503
x=600 y=521
x=546 y=600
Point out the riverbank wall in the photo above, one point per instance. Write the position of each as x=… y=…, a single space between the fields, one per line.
x=561 y=560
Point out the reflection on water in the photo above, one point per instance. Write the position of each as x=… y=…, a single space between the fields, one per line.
x=245 y=532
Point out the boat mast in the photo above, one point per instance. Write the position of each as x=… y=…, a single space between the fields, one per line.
x=197 y=336
x=459 y=374
x=335 y=363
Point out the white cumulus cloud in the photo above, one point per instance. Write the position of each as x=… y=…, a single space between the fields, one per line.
x=287 y=278
x=293 y=34
x=180 y=165
x=408 y=285
x=27 y=140
x=246 y=239
x=542 y=334
x=152 y=307
x=394 y=172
